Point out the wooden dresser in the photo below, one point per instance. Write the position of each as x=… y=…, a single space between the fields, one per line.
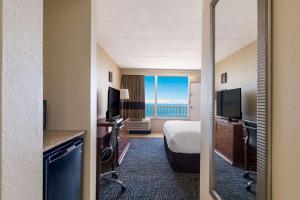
x=229 y=142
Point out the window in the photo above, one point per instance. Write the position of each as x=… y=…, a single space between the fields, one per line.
x=167 y=96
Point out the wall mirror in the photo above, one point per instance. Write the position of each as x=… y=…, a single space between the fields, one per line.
x=241 y=134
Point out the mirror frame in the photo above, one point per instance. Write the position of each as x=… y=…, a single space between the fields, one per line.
x=264 y=100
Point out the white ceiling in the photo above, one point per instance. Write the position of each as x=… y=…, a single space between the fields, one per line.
x=151 y=33
x=166 y=34
x=236 y=26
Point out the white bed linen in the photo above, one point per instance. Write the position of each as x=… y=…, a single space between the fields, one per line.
x=183 y=136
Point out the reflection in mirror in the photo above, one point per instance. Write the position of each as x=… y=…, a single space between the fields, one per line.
x=234 y=154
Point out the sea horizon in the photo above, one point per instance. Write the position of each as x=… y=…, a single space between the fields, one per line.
x=169 y=104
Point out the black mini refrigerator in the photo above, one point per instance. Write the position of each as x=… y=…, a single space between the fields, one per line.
x=63 y=172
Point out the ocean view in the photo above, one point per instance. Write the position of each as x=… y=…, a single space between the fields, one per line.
x=167 y=110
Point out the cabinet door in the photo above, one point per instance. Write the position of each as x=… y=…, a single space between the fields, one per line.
x=217 y=137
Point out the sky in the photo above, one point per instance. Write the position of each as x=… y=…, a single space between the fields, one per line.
x=171 y=89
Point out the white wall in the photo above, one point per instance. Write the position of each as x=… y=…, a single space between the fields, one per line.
x=105 y=64
x=21 y=133
x=70 y=75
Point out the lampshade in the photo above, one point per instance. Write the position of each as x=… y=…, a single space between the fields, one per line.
x=124 y=94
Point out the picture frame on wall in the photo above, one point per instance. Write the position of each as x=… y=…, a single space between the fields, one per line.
x=224 y=78
x=110 y=77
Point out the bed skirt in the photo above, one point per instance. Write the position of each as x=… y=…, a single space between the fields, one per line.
x=183 y=162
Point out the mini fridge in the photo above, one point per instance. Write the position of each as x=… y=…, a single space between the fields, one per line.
x=63 y=172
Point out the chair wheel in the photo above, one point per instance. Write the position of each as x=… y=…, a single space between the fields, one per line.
x=114 y=176
x=248 y=186
x=123 y=188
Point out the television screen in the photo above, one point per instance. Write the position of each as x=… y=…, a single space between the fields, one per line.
x=113 y=107
x=229 y=103
x=44 y=114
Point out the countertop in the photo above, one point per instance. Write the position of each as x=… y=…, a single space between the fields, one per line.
x=53 y=138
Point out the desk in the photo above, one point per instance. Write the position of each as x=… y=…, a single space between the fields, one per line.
x=103 y=130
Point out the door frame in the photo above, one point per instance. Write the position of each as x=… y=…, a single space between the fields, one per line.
x=264 y=100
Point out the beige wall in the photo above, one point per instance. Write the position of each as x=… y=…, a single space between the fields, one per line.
x=21 y=99
x=161 y=72
x=104 y=65
x=157 y=125
x=241 y=68
x=286 y=95
x=286 y=98
x=195 y=79
x=70 y=71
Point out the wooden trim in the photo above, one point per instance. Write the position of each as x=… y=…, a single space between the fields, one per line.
x=224 y=157
x=264 y=100
x=211 y=124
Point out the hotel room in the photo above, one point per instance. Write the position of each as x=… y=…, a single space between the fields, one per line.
x=160 y=112
x=158 y=101
x=148 y=99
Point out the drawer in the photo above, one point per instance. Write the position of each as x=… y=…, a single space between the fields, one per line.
x=221 y=127
x=224 y=145
x=224 y=137
x=225 y=150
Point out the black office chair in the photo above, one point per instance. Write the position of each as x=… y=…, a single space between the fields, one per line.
x=108 y=155
x=250 y=129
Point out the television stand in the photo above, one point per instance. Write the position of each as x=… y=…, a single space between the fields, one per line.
x=227 y=119
x=233 y=120
x=229 y=142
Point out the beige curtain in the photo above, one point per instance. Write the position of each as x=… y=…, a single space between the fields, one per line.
x=135 y=106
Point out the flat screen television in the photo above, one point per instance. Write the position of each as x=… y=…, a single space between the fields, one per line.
x=113 y=104
x=229 y=104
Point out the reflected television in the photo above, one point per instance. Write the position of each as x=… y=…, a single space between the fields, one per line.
x=229 y=104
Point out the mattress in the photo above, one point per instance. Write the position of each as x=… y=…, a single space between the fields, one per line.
x=183 y=136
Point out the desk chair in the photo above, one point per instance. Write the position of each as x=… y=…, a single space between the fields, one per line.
x=108 y=154
x=250 y=129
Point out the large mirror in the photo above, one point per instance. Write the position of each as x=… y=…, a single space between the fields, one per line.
x=240 y=136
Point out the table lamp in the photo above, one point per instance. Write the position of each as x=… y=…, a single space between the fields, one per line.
x=124 y=95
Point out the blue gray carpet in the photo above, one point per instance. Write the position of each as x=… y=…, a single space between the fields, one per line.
x=147 y=174
x=230 y=184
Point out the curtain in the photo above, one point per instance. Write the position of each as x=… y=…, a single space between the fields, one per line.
x=134 y=107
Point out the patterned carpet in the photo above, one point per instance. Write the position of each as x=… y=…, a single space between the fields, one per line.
x=230 y=184
x=147 y=175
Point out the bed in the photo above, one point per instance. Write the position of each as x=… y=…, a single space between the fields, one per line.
x=182 y=145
